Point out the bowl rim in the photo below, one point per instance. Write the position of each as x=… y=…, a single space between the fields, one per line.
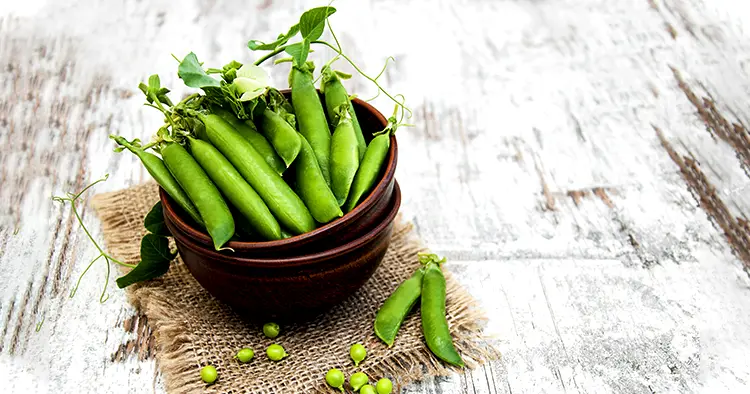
x=217 y=258
x=380 y=188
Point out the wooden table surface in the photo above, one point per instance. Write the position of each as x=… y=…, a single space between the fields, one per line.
x=583 y=163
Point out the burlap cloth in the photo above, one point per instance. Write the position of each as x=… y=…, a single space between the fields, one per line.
x=192 y=329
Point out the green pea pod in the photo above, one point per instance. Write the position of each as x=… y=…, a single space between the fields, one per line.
x=344 y=157
x=257 y=140
x=155 y=166
x=202 y=192
x=285 y=205
x=282 y=135
x=311 y=119
x=236 y=189
x=335 y=95
x=434 y=324
x=313 y=188
x=391 y=315
x=368 y=171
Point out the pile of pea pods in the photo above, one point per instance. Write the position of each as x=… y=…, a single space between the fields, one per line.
x=229 y=175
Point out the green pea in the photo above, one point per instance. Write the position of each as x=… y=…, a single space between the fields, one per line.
x=311 y=119
x=368 y=171
x=284 y=204
x=335 y=379
x=367 y=389
x=282 y=135
x=335 y=95
x=271 y=330
x=434 y=323
x=357 y=380
x=209 y=374
x=312 y=187
x=394 y=310
x=384 y=386
x=358 y=353
x=202 y=192
x=155 y=166
x=256 y=139
x=276 y=352
x=344 y=157
x=235 y=189
x=245 y=355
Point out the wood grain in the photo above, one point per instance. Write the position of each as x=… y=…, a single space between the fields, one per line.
x=534 y=166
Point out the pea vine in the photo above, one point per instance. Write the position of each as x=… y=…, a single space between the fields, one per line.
x=73 y=199
x=311 y=26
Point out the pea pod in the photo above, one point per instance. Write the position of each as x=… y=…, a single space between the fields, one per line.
x=285 y=205
x=311 y=186
x=257 y=140
x=434 y=324
x=391 y=315
x=311 y=119
x=369 y=170
x=236 y=189
x=202 y=192
x=282 y=135
x=155 y=166
x=335 y=95
x=344 y=156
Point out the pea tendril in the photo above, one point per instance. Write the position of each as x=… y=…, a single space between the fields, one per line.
x=73 y=199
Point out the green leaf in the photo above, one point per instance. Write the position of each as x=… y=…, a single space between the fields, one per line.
x=143 y=88
x=229 y=71
x=313 y=22
x=282 y=39
x=232 y=65
x=154 y=221
x=155 y=259
x=299 y=52
x=192 y=73
x=154 y=84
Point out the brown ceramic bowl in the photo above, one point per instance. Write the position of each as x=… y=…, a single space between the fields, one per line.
x=289 y=288
x=336 y=232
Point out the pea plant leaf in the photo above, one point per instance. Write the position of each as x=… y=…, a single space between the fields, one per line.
x=192 y=73
x=154 y=89
x=155 y=259
x=313 y=22
x=282 y=39
x=299 y=52
x=154 y=221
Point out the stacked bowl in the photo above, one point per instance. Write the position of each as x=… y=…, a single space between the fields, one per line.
x=301 y=276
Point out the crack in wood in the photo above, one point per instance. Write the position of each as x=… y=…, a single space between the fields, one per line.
x=6 y=323
x=20 y=320
x=142 y=346
x=733 y=133
x=678 y=10
x=735 y=229
x=549 y=200
x=671 y=30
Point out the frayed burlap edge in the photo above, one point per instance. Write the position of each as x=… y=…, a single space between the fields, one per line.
x=175 y=351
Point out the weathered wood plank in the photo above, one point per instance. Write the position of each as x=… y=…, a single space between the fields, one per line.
x=534 y=166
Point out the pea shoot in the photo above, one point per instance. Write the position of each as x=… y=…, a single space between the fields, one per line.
x=271 y=330
x=335 y=379
x=357 y=353
x=209 y=374
x=276 y=352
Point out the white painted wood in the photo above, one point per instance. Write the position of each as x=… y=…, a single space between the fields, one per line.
x=632 y=292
